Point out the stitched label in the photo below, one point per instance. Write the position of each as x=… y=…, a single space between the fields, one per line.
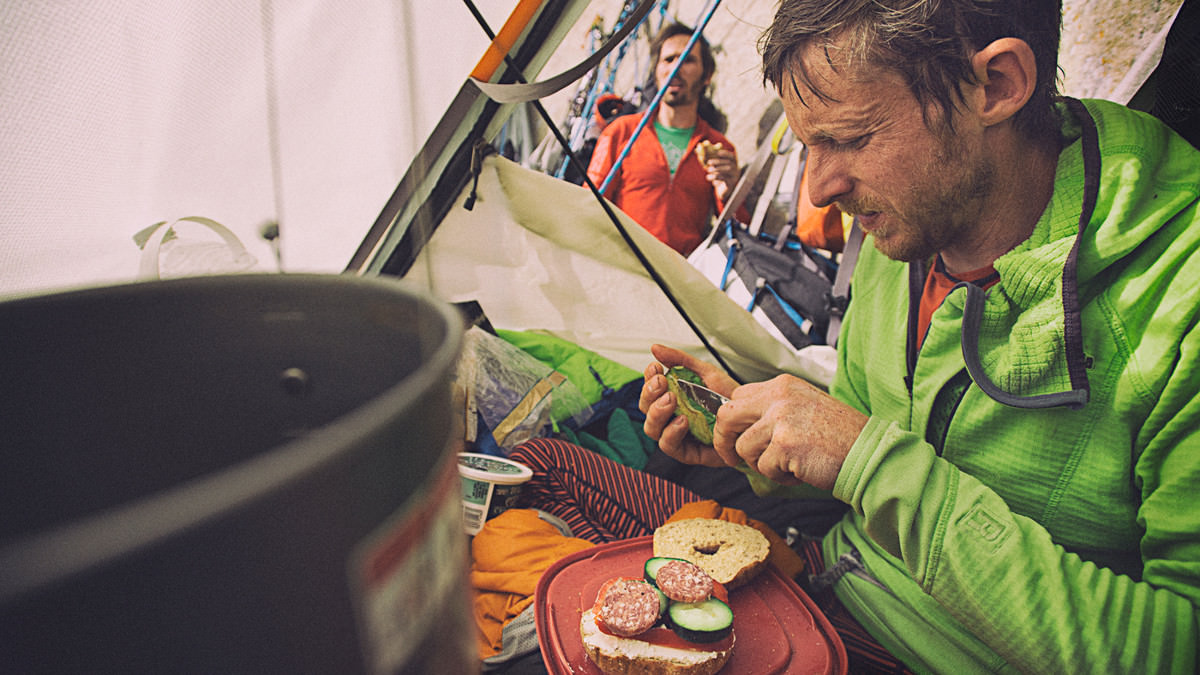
x=987 y=526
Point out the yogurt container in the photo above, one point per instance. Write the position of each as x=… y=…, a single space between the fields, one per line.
x=490 y=484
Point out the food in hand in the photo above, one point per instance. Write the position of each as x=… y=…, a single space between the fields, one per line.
x=700 y=420
x=706 y=151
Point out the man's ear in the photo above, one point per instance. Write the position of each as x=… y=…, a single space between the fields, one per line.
x=1007 y=75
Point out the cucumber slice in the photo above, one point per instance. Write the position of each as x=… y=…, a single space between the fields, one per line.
x=663 y=600
x=706 y=621
x=650 y=569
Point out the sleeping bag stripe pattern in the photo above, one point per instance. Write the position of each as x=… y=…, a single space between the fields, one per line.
x=598 y=498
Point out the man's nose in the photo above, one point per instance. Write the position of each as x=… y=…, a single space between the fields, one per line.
x=828 y=178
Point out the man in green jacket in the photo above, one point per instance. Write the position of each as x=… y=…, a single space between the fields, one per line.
x=1015 y=419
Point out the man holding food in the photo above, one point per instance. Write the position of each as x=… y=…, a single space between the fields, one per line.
x=1014 y=422
x=679 y=169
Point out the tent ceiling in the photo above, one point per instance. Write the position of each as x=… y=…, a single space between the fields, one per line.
x=309 y=113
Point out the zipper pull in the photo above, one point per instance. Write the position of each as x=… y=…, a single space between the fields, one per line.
x=848 y=563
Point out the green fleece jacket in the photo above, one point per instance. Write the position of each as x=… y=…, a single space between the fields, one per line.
x=1058 y=540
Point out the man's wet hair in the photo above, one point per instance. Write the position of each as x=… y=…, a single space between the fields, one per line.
x=928 y=42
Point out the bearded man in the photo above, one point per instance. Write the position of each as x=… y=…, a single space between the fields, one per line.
x=1015 y=419
x=662 y=183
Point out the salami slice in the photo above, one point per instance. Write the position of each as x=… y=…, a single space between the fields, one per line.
x=629 y=607
x=683 y=581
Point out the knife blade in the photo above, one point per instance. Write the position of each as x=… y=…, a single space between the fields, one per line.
x=707 y=398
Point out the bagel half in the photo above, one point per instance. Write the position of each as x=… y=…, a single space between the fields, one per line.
x=730 y=553
x=706 y=150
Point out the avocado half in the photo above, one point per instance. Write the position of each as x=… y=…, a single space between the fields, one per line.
x=700 y=421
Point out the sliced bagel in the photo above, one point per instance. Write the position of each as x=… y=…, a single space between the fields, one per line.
x=730 y=553
x=706 y=150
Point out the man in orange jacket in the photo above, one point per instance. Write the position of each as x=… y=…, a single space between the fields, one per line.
x=662 y=182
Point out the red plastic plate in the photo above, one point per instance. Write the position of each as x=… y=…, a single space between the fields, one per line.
x=777 y=628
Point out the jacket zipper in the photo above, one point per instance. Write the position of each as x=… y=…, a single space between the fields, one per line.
x=849 y=563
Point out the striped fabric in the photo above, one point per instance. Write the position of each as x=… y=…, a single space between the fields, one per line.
x=600 y=499
x=604 y=501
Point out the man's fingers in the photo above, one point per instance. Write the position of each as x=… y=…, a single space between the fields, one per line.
x=723 y=444
x=752 y=444
x=677 y=442
x=732 y=420
x=653 y=368
x=653 y=388
x=659 y=413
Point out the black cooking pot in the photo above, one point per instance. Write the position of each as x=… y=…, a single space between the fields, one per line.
x=231 y=474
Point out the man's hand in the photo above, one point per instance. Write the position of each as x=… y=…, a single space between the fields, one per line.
x=785 y=428
x=659 y=404
x=722 y=171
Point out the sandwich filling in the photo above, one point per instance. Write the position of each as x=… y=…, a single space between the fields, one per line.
x=657 y=643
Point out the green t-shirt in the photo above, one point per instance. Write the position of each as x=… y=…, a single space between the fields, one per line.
x=674 y=143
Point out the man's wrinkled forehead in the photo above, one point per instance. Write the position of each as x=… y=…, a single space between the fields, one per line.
x=822 y=70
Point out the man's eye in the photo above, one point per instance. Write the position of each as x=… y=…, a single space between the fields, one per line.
x=852 y=143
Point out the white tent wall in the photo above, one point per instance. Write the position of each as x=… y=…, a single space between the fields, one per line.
x=1109 y=48
x=116 y=114
x=119 y=114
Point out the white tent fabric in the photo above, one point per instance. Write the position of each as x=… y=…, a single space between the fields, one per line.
x=540 y=254
x=116 y=114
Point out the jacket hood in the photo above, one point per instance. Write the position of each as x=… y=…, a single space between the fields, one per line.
x=1140 y=166
x=1121 y=178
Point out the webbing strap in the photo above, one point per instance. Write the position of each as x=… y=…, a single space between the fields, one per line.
x=522 y=92
x=840 y=293
x=733 y=248
x=740 y=191
x=774 y=178
x=791 y=312
x=794 y=209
